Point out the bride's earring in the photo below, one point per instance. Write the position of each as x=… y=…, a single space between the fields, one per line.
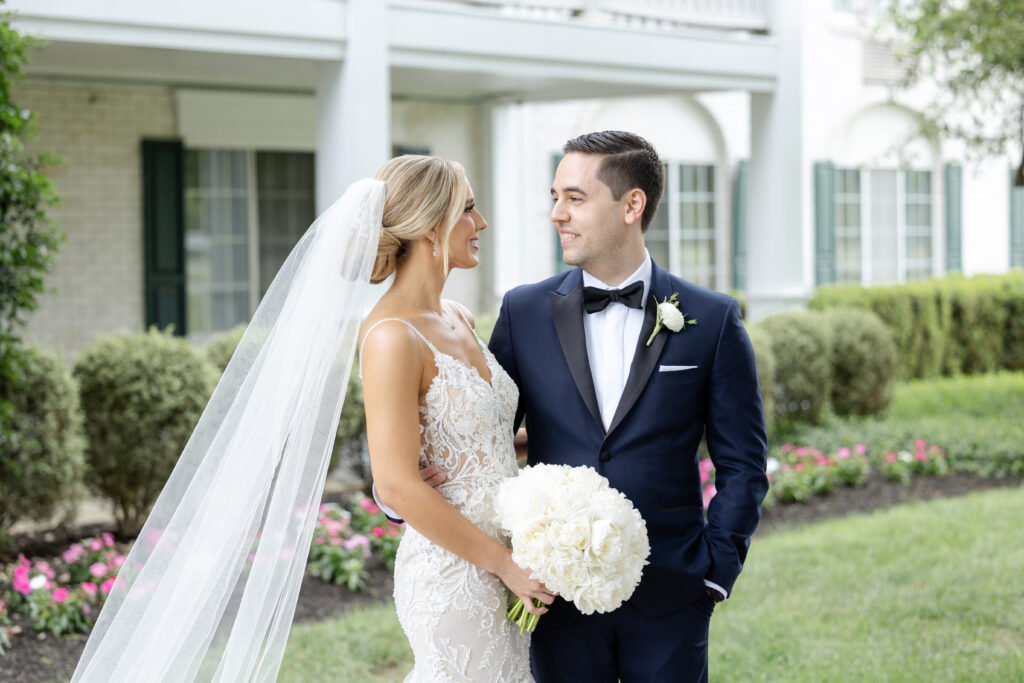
x=435 y=246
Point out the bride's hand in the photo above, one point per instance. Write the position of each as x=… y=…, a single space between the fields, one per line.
x=519 y=582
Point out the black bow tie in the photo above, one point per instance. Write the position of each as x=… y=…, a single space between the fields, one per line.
x=596 y=299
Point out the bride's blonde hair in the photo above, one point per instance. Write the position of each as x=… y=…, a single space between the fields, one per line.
x=422 y=194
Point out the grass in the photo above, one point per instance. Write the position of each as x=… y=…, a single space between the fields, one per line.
x=365 y=645
x=925 y=592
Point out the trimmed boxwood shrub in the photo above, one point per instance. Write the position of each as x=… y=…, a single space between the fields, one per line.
x=765 y=360
x=42 y=463
x=945 y=326
x=142 y=395
x=221 y=347
x=863 y=362
x=801 y=345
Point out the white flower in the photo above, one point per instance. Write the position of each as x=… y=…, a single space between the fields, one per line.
x=773 y=466
x=38 y=582
x=671 y=317
x=905 y=456
x=582 y=538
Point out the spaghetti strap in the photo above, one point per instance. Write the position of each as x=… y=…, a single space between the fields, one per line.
x=396 y=319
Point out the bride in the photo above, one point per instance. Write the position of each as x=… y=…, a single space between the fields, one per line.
x=435 y=396
x=208 y=590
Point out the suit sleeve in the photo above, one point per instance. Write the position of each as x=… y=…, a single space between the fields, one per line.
x=738 y=446
x=501 y=346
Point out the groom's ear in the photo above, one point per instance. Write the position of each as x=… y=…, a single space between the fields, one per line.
x=635 y=202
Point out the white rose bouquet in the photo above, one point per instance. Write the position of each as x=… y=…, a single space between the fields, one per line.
x=583 y=539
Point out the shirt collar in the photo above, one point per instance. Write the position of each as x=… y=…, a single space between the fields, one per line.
x=641 y=274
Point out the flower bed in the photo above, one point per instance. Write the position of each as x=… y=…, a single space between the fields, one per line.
x=797 y=473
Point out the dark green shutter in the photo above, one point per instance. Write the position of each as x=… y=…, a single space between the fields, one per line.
x=954 y=217
x=164 y=226
x=560 y=265
x=824 y=223
x=1016 y=224
x=739 y=228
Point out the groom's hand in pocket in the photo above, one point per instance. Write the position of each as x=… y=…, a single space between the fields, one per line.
x=433 y=475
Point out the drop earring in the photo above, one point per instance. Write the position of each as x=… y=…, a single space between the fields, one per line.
x=435 y=246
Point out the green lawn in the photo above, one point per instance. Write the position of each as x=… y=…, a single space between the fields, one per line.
x=926 y=592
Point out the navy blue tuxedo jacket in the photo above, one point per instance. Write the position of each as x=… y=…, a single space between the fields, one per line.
x=650 y=451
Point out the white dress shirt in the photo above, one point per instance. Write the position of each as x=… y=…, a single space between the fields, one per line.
x=612 y=335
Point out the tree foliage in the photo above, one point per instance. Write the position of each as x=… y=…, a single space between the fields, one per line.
x=973 y=52
x=27 y=239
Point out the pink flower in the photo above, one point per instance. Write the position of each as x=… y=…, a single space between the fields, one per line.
x=394 y=531
x=45 y=568
x=919 y=444
x=787 y=448
x=98 y=569
x=119 y=560
x=337 y=541
x=377 y=531
x=20 y=580
x=890 y=457
x=709 y=493
x=332 y=531
x=704 y=476
x=861 y=449
x=921 y=456
x=319 y=540
x=108 y=539
x=368 y=505
x=72 y=554
x=820 y=460
x=800 y=467
x=107 y=585
x=786 y=467
x=89 y=588
x=323 y=506
x=95 y=545
x=60 y=595
x=86 y=609
x=843 y=453
x=358 y=541
x=706 y=465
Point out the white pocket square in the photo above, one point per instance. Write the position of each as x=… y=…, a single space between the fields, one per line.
x=675 y=368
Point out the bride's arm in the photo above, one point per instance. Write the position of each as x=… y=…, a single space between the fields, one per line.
x=393 y=371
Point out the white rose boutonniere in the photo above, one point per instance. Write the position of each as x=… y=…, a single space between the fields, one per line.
x=669 y=316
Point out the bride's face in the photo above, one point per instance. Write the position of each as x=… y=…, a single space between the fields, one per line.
x=463 y=247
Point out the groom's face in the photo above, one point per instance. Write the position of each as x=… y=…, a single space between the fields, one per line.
x=590 y=221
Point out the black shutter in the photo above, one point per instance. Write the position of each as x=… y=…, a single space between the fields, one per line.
x=164 y=225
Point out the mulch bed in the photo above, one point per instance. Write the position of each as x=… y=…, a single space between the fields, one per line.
x=35 y=658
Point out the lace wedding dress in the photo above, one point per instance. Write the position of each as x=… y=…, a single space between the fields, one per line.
x=453 y=612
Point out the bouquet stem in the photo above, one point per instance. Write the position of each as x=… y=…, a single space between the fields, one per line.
x=518 y=614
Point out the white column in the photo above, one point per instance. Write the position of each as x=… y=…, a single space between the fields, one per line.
x=779 y=227
x=354 y=104
x=508 y=164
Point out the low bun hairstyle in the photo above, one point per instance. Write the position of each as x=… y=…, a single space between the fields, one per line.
x=422 y=193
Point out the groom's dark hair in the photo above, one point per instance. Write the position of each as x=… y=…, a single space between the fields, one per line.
x=629 y=162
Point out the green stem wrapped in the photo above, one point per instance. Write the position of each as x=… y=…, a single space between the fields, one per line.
x=517 y=613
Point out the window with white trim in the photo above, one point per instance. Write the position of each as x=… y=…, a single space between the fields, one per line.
x=681 y=238
x=244 y=211
x=883 y=225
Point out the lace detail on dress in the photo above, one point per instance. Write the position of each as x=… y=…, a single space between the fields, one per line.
x=452 y=611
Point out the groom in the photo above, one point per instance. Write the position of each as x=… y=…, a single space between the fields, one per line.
x=598 y=388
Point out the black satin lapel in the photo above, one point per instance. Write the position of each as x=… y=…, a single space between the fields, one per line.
x=567 y=311
x=644 y=361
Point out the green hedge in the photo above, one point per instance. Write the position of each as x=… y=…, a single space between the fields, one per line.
x=863 y=362
x=142 y=395
x=41 y=465
x=801 y=345
x=945 y=326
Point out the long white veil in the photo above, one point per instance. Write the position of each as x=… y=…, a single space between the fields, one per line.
x=208 y=591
